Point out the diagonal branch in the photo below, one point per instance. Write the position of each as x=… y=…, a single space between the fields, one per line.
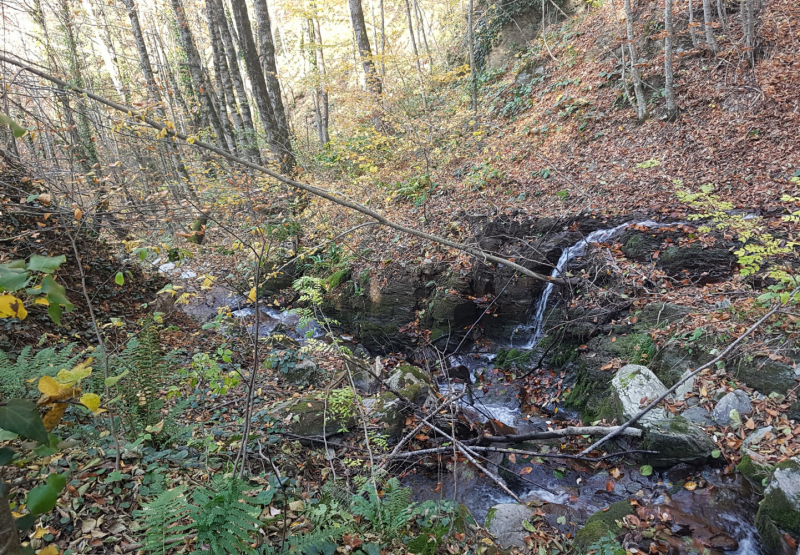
x=317 y=191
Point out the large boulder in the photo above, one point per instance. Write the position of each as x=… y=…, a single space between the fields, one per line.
x=737 y=401
x=632 y=388
x=310 y=416
x=602 y=523
x=505 y=523
x=677 y=440
x=782 y=497
x=766 y=375
x=412 y=383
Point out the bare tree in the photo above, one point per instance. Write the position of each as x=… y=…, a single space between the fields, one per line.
x=692 y=30
x=472 y=69
x=374 y=82
x=279 y=147
x=669 y=77
x=641 y=105
x=710 y=40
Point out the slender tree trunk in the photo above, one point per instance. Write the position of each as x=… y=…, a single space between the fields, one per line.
x=692 y=30
x=267 y=56
x=373 y=80
x=638 y=89
x=710 y=40
x=669 y=90
x=721 y=14
x=416 y=55
x=473 y=83
x=322 y=92
x=155 y=95
x=383 y=39
x=260 y=93
x=201 y=85
x=421 y=28
x=238 y=82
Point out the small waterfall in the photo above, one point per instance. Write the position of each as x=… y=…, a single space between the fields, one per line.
x=570 y=253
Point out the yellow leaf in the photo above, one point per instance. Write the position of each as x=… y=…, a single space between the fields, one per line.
x=252 y=295
x=53 y=416
x=40 y=532
x=49 y=550
x=71 y=377
x=49 y=386
x=78 y=214
x=91 y=402
x=42 y=301
x=11 y=307
x=691 y=486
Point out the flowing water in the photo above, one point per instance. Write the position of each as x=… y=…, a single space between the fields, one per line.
x=721 y=513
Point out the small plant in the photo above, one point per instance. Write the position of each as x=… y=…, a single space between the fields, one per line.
x=416 y=190
x=478 y=177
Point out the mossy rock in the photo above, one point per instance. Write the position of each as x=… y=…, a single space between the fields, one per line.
x=411 y=383
x=309 y=417
x=511 y=358
x=387 y=409
x=677 y=441
x=771 y=537
x=781 y=501
x=602 y=523
x=589 y=392
x=697 y=264
x=638 y=245
x=754 y=471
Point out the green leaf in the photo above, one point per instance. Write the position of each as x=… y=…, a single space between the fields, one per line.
x=561 y=520
x=6 y=455
x=13 y=276
x=21 y=417
x=715 y=453
x=119 y=279
x=17 y=130
x=45 y=264
x=7 y=436
x=55 y=293
x=43 y=498
x=48 y=450
x=528 y=526
x=54 y=311
x=112 y=381
x=646 y=470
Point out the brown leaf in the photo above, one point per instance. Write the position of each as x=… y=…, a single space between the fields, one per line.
x=526 y=470
x=610 y=486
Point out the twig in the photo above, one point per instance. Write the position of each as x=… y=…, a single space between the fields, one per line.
x=683 y=380
x=436 y=450
x=553 y=434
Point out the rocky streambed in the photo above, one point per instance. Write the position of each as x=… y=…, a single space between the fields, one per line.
x=685 y=496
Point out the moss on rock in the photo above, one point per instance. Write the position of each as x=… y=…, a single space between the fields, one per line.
x=781 y=501
x=754 y=471
x=601 y=523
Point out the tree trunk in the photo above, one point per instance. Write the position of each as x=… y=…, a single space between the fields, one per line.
x=259 y=85
x=267 y=56
x=374 y=83
x=473 y=83
x=9 y=536
x=692 y=30
x=712 y=42
x=722 y=18
x=238 y=83
x=416 y=55
x=641 y=105
x=226 y=99
x=669 y=91
x=155 y=95
x=421 y=29
x=201 y=85
x=321 y=93
x=383 y=39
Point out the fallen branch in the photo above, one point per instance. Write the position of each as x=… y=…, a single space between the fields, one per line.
x=553 y=434
x=490 y=449
x=317 y=191
x=683 y=380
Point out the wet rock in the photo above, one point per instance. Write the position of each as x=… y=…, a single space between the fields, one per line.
x=565 y=518
x=602 y=523
x=698 y=415
x=677 y=441
x=755 y=468
x=735 y=400
x=701 y=530
x=655 y=315
x=753 y=440
x=411 y=383
x=782 y=497
x=697 y=264
x=504 y=522
x=309 y=416
x=302 y=373
x=638 y=245
x=766 y=375
x=632 y=387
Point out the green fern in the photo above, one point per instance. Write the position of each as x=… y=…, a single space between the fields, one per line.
x=165 y=520
x=14 y=376
x=391 y=513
